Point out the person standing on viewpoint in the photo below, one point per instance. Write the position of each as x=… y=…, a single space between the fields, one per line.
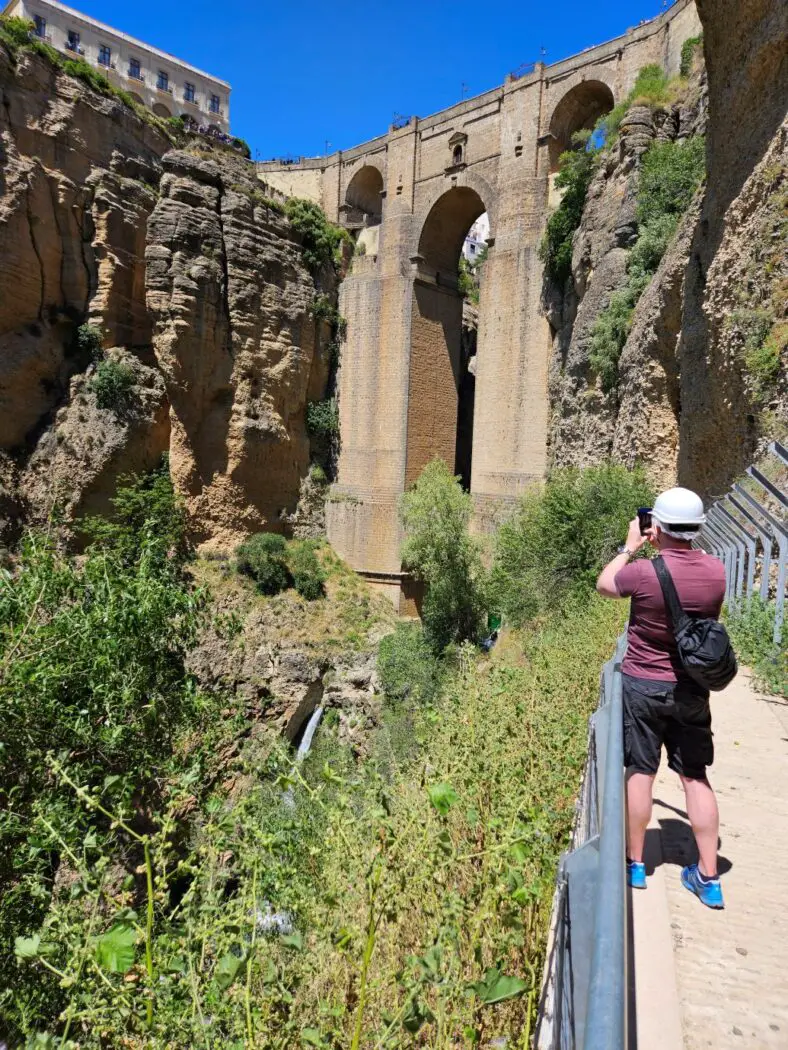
x=662 y=705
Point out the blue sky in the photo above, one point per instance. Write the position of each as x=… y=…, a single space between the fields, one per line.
x=307 y=71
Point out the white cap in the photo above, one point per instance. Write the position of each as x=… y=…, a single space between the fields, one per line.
x=678 y=507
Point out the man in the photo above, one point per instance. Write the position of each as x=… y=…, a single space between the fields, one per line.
x=662 y=705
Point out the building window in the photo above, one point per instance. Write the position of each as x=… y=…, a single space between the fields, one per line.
x=105 y=55
x=188 y=92
x=72 y=41
x=135 y=69
x=163 y=81
x=214 y=104
x=41 y=26
x=457 y=155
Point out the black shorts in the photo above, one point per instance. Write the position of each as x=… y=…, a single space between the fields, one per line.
x=675 y=714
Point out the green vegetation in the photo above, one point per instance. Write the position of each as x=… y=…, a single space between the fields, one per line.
x=438 y=550
x=159 y=890
x=242 y=146
x=275 y=565
x=322 y=418
x=321 y=240
x=576 y=169
x=87 y=344
x=264 y=558
x=113 y=385
x=305 y=569
x=751 y=625
x=550 y=552
x=688 y=50
x=670 y=174
x=408 y=667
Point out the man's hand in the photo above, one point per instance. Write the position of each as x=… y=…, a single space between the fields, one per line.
x=634 y=539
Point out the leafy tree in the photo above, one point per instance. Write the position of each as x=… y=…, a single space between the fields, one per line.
x=407 y=666
x=553 y=547
x=306 y=570
x=113 y=384
x=320 y=239
x=438 y=549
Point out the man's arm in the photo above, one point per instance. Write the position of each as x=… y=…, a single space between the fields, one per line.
x=606 y=584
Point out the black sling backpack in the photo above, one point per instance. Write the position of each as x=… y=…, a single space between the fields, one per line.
x=705 y=650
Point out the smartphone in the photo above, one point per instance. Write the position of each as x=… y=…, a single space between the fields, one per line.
x=644 y=519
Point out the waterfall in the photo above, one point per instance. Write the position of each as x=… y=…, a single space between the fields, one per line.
x=309 y=732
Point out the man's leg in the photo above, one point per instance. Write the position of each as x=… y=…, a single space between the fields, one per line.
x=640 y=788
x=705 y=820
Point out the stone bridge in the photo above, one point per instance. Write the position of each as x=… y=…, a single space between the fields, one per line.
x=410 y=197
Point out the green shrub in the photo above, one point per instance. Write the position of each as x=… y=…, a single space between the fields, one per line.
x=146 y=511
x=435 y=515
x=306 y=570
x=553 y=547
x=670 y=174
x=688 y=49
x=93 y=656
x=113 y=385
x=407 y=666
x=320 y=239
x=650 y=86
x=322 y=418
x=317 y=474
x=264 y=558
x=751 y=625
x=576 y=169
x=242 y=146
x=177 y=124
x=88 y=344
x=15 y=32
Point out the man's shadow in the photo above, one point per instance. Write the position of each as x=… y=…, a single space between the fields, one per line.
x=674 y=843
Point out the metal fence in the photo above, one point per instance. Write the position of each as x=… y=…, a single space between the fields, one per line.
x=748 y=530
x=584 y=993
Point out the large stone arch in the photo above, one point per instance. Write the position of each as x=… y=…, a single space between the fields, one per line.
x=435 y=367
x=577 y=109
x=467 y=180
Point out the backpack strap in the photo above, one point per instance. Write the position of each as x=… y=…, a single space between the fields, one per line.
x=672 y=603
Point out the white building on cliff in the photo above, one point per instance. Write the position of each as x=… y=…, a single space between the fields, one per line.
x=168 y=86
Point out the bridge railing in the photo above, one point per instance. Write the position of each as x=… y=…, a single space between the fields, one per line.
x=748 y=530
x=584 y=991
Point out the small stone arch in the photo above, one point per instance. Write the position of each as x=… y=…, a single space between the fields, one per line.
x=579 y=108
x=137 y=98
x=364 y=195
x=161 y=110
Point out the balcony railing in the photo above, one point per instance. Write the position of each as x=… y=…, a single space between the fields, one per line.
x=136 y=74
x=160 y=86
x=77 y=49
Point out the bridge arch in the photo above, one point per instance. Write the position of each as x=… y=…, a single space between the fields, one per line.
x=364 y=193
x=579 y=108
x=440 y=386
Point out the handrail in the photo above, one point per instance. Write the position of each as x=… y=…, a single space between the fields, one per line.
x=584 y=990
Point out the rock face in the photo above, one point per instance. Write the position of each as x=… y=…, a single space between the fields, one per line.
x=75 y=177
x=194 y=282
x=236 y=344
x=703 y=377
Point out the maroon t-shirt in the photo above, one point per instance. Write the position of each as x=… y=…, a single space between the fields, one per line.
x=700 y=582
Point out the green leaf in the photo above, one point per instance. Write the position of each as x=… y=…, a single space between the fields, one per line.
x=293 y=940
x=443 y=797
x=312 y=1037
x=27 y=948
x=227 y=969
x=497 y=986
x=115 y=948
x=519 y=852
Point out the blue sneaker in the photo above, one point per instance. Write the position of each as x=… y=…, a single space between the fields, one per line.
x=636 y=874
x=709 y=893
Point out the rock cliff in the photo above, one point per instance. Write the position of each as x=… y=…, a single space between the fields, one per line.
x=702 y=379
x=196 y=285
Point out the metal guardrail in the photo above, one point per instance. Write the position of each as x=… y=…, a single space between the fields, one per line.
x=743 y=529
x=584 y=991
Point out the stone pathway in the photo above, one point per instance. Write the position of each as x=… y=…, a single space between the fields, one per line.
x=728 y=975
